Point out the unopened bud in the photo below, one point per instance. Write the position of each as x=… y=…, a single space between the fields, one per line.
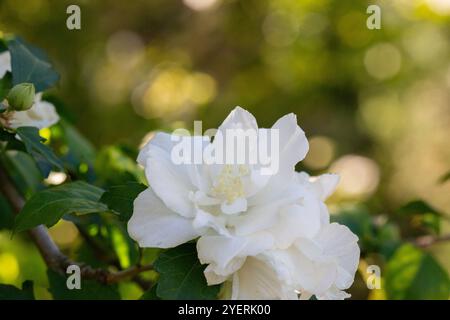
x=21 y=96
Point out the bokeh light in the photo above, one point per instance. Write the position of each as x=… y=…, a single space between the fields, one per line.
x=64 y=233
x=383 y=61
x=9 y=267
x=359 y=176
x=174 y=91
x=321 y=152
x=55 y=178
x=200 y=5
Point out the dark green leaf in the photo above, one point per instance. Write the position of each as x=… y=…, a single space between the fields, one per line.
x=417 y=207
x=422 y=215
x=24 y=171
x=48 y=206
x=6 y=214
x=414 y=274
x=39 y=151
x=120 y=198
x=150 y=294
x=79 y=146
x=31 y=64
x=6 y=136
x=5 y=85
x=181 y=275
x=9 y=292
x=90 y=289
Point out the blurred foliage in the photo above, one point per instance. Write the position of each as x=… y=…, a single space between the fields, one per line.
x=374 y=104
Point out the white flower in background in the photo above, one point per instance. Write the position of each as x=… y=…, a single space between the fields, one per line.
x=41 y=115
x=270 y=236
x=5 y=63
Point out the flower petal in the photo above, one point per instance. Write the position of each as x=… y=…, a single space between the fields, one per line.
x=298 y=220
x=325 y=184
x=161 y=140
x=293 y=143
x=41 y=115
x=5 y=63
x=238 y=205
x=170 y=182
x=239 y=118
x=154 y=225
x=222 y=251
x=258 y=280
x=204 y=220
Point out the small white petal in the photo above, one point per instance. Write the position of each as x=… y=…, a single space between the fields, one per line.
x=238 y=205
x=219 y=250
x=204 y=221
x=239 y=119
x=212 y=278
x=333 y=294
x=325 y=184
x=293 y=143
x=154 y=225
x=161 y=140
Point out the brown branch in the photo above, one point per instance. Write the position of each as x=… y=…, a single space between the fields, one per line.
x=50 y=252
x=429 y=240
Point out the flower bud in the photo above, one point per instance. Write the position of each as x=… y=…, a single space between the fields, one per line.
x=21 y=96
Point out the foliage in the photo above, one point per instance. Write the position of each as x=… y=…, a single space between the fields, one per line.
x=181 y=275
x=50 y=205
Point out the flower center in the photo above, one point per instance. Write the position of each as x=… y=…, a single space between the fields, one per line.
x=228 y=185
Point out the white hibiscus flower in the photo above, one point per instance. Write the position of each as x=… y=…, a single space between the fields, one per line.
x=270 y=236
x=224 y=199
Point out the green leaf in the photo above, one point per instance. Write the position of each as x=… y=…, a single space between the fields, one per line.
x=124 y=247
x=90 y=289
x=79 y=146
x=9 y=292
x=414 y=274
x=181 y=275
x=5 y=85
x=39 y=151
x=150 y=294
x=31 y=64
x=6 y=214
x=417 y=207
x=120 y=198
x=48 y=206
x=444 y=178
x=24 y=171
x=422 y=215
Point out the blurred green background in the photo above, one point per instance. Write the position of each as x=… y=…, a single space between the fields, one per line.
x=375 y=104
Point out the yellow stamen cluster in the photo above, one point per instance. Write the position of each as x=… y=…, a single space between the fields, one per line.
x=228 y=185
